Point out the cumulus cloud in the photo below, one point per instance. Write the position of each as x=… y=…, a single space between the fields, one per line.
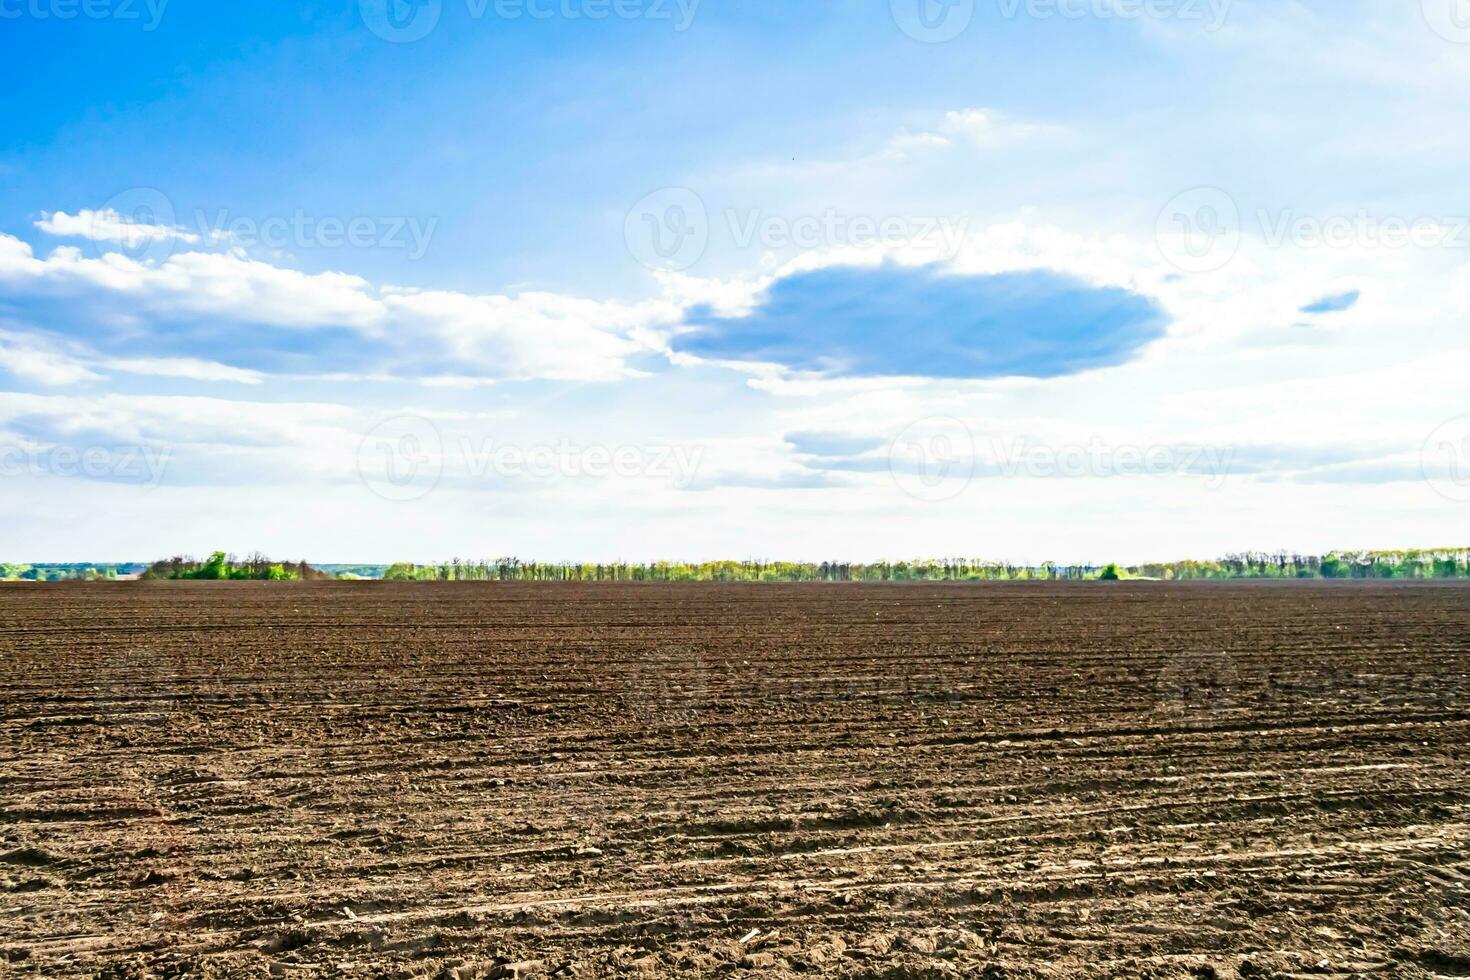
x=189 y=284
x=231 y=302
x=1006 y=337
x=107 y=225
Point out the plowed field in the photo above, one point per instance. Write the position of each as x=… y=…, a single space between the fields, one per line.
x=1131 y=780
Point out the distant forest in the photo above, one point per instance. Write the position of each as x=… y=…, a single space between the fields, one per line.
x=1434 y=563
x=1445 y=563
x=69 y=572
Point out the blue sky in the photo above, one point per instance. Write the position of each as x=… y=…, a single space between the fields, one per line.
x=1022 y=279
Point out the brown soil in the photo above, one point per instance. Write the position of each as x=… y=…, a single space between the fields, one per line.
x=1135 y=780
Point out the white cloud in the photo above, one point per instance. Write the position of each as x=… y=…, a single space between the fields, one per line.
x=906 y=145
x=192 y=283
x=208 y=440
x=477 y=337
x=975 y=128
x=532 y=335
x=988 y=129
x=189 y=368
x=979 y=129
x=39 y=360
x=107 y=225
x=1220 y=378
x=43 y=358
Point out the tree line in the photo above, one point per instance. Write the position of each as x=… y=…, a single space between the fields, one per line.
x=1434 y=563
x=222 y=567
x=1441 y=563
x=67 y=571
x=941 y=570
